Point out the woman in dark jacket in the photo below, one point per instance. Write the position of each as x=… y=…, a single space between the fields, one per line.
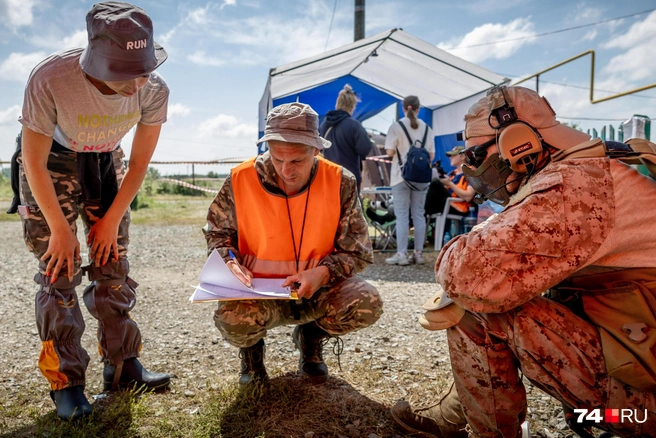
x=350 y=141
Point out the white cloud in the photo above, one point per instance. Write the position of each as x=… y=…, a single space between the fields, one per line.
x=518 y=28
x=19 y=65
x=639 y=61
x=78 y=39
x=10 y=115
x=226 y=126
x=55 y=43
x=591 y=35
x=638 y=34
x=199 y=57
x=585 y=14
x=228 y=3
x=19 y=12
x=258 y=38
x=178 y=109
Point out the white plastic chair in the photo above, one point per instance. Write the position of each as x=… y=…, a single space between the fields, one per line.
x=440 y=220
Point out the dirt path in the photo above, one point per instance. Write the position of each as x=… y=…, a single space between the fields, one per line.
x=394 y=359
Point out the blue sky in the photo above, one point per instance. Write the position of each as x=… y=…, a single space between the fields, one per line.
x=220 y=53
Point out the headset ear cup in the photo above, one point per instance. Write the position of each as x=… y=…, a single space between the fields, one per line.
x=520 y=146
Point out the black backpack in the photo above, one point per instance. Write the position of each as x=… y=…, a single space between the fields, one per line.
x=417 y=168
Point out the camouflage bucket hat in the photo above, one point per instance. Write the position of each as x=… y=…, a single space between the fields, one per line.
x=294 y=123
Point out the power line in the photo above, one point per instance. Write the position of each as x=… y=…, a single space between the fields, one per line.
x=331 y=25
x=590 y=118
x=555 y=31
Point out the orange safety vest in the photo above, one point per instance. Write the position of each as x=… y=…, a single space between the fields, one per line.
x=264 y=233
x=462 y=207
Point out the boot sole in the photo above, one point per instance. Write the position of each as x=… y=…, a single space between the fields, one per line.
x=413 y=432
x=107 y=386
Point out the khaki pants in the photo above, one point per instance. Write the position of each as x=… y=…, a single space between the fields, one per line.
x=109 y=298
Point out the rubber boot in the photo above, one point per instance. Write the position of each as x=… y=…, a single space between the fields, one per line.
x=252 y=370
x=443 y=420
x=133 y=374
x=71 y=403
x=308 y=340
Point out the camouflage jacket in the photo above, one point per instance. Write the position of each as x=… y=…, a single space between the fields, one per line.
x=573 y=214
x=352 y=245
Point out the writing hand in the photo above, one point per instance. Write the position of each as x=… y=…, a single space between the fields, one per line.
x=310 y=281
x=63 y=247
x=103 y=237
x=242 y=273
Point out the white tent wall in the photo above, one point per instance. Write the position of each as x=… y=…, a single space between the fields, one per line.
x=450 y=119
x=396 y=64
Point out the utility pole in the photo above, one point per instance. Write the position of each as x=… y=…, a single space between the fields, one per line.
x=358 y=33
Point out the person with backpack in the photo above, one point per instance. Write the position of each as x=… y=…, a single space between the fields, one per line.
x=559 y=288
x=350 y=141
x=411 y=144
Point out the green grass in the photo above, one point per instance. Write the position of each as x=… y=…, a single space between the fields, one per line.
x=289 y=407
x=172 y=210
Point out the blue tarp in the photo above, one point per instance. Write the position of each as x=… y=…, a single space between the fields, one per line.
x=371 y=100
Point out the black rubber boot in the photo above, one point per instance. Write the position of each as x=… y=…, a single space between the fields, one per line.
x=308 y=340
x=252 y=370
x=133 y=374
x=71 y=403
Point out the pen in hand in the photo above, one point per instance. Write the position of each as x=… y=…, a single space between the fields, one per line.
x=234 y=259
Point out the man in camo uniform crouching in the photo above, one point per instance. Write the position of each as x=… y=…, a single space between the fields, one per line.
x=291 y=214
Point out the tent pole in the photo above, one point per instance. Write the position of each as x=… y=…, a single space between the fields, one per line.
x=358 y=31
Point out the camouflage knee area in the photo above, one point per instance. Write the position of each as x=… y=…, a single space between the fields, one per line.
x=110 y=298
x=242 y=323
x=350 y=305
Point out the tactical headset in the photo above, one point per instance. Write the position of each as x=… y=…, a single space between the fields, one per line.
x=520 y=145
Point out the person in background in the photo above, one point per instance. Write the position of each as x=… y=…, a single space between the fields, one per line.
x=350 y=142
x=573 y=226
x=291 y=214
x=408 y=200
x=452 y=185
x=79 y=103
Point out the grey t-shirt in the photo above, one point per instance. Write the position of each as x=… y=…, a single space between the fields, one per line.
x=60 y=102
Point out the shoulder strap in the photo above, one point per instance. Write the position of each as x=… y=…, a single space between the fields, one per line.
x=642 y=152
x=407 y=134
x=423 y=141
x=330 y=128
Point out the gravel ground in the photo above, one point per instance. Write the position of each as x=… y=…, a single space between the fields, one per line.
x=180 y=338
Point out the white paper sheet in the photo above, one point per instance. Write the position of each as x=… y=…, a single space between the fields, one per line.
x=217 y=282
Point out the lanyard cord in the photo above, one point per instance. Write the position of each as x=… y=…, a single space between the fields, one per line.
x=297 y=255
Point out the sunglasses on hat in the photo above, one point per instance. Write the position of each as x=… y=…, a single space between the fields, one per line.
x=475 y=155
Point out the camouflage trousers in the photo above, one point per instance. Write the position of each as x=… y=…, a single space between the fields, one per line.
x=109 y=297
x=345 y=307
x=556 y=350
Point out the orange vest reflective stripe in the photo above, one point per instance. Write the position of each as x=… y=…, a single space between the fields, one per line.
x=462 y=207
x=265 y=238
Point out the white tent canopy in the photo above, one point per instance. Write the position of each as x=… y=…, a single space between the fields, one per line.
x=391 y=65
